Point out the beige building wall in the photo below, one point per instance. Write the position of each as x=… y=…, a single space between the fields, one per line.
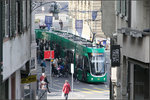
x=82 y=10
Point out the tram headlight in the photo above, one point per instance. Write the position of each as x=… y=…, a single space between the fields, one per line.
x=104 y=79
x=91 y=78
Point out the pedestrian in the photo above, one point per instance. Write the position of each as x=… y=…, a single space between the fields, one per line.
x=47 y=82
x=39 y=55
x=43 y=65
x=44 y=82
x=66 y=89
x=61 y=24
x=75 y=75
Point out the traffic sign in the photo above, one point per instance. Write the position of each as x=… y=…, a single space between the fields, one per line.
x=72 y=68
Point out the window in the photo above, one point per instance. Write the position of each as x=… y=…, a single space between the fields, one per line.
x=7 y=18
x=12 y=18
x=122 y=7
x=119 y=6
x=24 y=14
x=28 y=13
x=3 y=17
x=20 y=16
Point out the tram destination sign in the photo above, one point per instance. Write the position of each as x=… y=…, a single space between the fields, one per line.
x=115 y=55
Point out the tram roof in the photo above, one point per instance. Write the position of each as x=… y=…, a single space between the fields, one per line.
x=69 y=36
x=67 y=40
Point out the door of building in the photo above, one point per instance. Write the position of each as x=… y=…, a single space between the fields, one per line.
x=141 y=83
x=13 y=87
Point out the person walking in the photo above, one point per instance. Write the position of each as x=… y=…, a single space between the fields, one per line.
x=43 y=65
x=44 y=82
x=61 y=24
x=47 y=82
x=66 y=89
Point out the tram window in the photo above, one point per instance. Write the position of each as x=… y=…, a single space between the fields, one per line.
x=97 y=65
x=86 y=64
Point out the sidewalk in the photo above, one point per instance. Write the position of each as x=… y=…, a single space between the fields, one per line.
x=39 y=73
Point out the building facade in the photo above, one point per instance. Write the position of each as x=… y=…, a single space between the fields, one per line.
x=82 y=10
x=133 y=29
x=18 y=46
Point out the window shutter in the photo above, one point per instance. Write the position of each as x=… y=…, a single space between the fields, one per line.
x=123 y=7
x=126 y=7
x=3 y=18
x=21 y=14
x=7 y=15
x=13 y=18
x=28 y=13
x=118 y=6
x=24 y=14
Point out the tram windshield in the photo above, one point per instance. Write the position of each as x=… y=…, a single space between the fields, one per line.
x=97 y=63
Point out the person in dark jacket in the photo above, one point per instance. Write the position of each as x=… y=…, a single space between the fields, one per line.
x=61 y=24
x=44 y=81
x=47 y=84
x=66 y=89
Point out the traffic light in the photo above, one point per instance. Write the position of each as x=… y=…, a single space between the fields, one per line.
x=54 y=8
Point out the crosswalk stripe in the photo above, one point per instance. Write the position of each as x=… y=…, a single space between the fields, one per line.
x=101 y=89
x=57 y=85
x=82 y=91
x=92 y=90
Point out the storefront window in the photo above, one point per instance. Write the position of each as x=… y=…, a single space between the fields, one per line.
x=141 y=83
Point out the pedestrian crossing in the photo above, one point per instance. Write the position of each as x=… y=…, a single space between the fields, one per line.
x=90 y=90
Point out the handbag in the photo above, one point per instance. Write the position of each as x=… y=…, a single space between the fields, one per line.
x=62 y=95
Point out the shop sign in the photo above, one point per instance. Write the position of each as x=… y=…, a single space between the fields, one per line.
x=115 y=55
x=29 y=79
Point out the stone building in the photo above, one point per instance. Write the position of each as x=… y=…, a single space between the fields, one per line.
x=18 y=49
x=82 y=10
x=133 y=29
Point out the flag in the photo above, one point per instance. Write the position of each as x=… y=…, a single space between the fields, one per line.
x=79 y=26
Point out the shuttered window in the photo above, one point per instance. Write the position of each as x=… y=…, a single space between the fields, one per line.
x=20 y=16
x=7 y=18
x=118 y=6
x=28 y=13
x=123 y=7
x=12 y=18
x=126 y=7
x=24 y=14
x=3 y=18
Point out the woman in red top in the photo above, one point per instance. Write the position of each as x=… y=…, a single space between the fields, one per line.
x=66 y=89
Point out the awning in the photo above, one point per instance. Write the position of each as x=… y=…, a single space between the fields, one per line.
x=132 y=32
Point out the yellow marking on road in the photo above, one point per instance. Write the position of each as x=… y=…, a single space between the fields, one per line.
x=101 y=89
x=57 y=86
x=82 y=91
x=92 y=90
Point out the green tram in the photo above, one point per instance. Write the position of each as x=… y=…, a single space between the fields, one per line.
x=89 y=61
